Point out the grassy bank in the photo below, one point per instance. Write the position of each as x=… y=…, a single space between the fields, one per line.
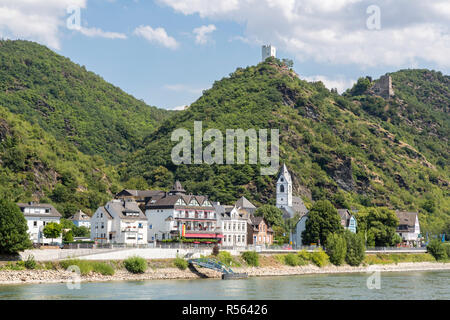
x=261 y=261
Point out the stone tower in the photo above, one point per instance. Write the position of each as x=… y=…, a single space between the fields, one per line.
x=383 y=87
x=268 y=51
x=284 y=189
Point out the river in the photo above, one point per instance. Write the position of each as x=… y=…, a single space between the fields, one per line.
x=392 y=285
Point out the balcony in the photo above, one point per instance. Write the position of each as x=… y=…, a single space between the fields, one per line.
x=130 y=229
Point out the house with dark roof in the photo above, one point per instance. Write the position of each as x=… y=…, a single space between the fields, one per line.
x=81 y=219
x=408 y=227
x=348 y=220
x=259 y=232
x=119 y=221
x=140 y=196
x=38 y=215
x=177 y=214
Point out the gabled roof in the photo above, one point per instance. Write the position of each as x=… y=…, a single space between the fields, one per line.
x=244 y=203
x=138 y=193
x=169 y=201
x=80 y=216
x=120 y=208
x=407 y=218
x=52 y=211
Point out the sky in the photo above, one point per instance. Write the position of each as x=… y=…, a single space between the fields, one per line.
x=166 y=52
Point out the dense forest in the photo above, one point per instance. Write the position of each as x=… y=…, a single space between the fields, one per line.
x=72 y=103
x=69 y=138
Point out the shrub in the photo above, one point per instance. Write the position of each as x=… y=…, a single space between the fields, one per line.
x=85 y=266
x=291 y=259
x=51 y=265
x=319 y=257
x=304 y=255
x=356 y=250
x=135 y=264
x=225 y=257
x=251 y=258
x=103 y=268
x=180 y=263
x=437 y=249
x=336 y=248
x=215 y=250
x=447 y=249
x=30 y=263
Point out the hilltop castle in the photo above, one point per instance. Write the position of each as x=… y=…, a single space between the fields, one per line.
x=383 y=87
x=268 y=51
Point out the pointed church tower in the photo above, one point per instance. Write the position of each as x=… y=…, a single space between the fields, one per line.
x=284 y=189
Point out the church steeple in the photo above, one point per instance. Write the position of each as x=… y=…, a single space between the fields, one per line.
x=284 y=188
x=177 y=188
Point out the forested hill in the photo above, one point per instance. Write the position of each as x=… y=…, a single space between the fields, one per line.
x=72 y=103
x=337 y=147
x=36 y=166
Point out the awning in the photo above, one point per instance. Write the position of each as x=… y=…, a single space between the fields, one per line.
x=203 y=235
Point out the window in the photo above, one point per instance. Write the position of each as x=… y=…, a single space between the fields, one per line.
x=281 y=189
x=35 y=223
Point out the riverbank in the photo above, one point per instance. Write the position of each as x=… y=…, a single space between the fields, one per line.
x=60 y=276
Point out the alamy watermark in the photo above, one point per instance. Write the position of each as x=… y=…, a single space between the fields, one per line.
x=374 y=280
x=373 y=22
x=234 y=153
x=74 y=282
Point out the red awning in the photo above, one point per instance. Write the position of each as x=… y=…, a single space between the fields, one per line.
x=203 y=235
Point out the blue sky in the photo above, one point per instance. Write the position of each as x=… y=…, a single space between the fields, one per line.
x=156 y=51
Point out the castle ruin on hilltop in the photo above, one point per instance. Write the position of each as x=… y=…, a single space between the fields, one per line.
x=383 y=87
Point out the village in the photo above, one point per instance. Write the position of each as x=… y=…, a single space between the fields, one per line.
x=146 y=218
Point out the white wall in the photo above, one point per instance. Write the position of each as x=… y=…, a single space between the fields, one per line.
x=36 y=226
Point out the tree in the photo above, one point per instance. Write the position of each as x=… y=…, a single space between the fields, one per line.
x=81 y=231
x=271 y=214
x=323 y=219
x=13 y=229
x=68 y=236
x=336 y=248
x=52 y=230
x=436 y=249
x=356 y=251
x=361 y=86
x=379 y=225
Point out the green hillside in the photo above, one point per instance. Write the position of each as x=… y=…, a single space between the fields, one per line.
x=71 y=103
x=337 y=147
x=36 y=166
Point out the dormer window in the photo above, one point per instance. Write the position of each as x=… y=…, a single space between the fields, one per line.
x=193 y=203
x=180 y=202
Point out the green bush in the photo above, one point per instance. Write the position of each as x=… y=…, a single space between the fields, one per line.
x=336 y=248
x=135 y=264
x=103 y=268
x=85 y=266
x=447 y=249
x=180 y=263
x=291 y=259
x=437 y=249
x=356 y=250
x=319 y=257
x=30 y=263
x=251 y=258
x=224 y=257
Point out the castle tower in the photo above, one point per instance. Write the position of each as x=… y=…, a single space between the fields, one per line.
x=383 y=87
x=268 y=51
x=284 y=189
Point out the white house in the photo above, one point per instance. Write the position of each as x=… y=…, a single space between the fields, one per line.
x=119 y=221
x=37 y=216
x=268 y=51
x=233 y=225
x=289 y=204
x=81 y=219
x=408 y=227
x=177 y=215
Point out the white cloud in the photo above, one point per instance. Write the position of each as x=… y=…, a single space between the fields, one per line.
x=35 y=20
x=202 y=33
x=44 y=21
x=340 y=83
x=158 y=35
x=335 y=31
x=95 y=32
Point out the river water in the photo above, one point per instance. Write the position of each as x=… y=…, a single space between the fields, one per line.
x=392 y=285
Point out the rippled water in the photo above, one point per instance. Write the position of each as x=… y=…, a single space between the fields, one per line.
x=394 y=285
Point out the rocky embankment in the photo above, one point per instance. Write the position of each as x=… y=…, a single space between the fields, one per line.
x=61 y=276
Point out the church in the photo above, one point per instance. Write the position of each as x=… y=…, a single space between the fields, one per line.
x=289 y=204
